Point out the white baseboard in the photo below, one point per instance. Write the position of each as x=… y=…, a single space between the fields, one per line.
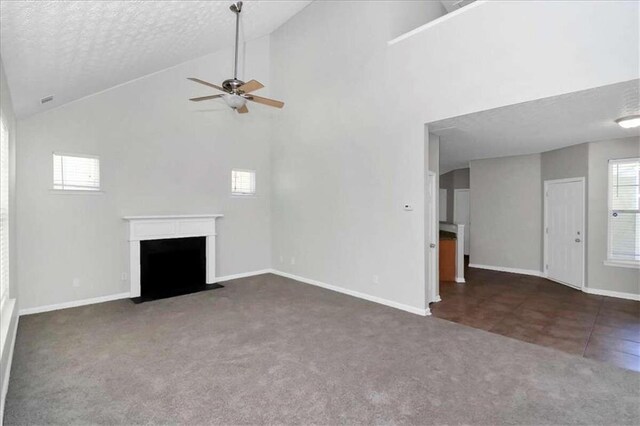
x=505 y=269
x=609 y=293
x=460 y=280
x=243 y=275
x=412 y=309
x=596 y=291
x=74 y=304
x=7 y=371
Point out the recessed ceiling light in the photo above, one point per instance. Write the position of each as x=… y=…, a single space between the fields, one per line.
x=629 y=122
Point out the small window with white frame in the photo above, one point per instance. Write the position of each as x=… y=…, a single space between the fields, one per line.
x=243 y=182
x=76 y=172
x=624 y=211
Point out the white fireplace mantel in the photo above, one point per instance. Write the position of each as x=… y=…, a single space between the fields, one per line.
x=143 y=228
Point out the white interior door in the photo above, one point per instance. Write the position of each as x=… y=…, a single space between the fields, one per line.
x=461 y=214
x=564 y=228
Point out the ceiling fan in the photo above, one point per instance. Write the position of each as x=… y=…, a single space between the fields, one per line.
x=237 y=92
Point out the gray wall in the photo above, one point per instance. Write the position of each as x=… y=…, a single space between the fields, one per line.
x=601 y=276
x=506 y=212
x=12 y=323
x=565 y=163
x=455 y=179
x=160 y=154
x=506 y=191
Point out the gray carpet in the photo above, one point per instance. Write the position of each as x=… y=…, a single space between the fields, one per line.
x=268 y=350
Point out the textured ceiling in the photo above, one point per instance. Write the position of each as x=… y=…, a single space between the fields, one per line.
x=71 y=49
x=537 y=126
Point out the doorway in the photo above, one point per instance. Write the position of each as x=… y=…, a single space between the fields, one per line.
x=564 y=235
x=461 y=214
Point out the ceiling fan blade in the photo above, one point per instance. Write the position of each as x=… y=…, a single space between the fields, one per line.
x=265 y=101
x=197 y=80
x=251 y=86
x=205 y=98
x=243 y=109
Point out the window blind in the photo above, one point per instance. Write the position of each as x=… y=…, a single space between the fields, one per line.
x=76 y=173
x=624 y=210
x=243 y=182
x=4 y=212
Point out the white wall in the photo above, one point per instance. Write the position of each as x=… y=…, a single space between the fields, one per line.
x=160 y=154
x=348 y=149
x=506 y=212
x=344 y=165
x=405 y=16
x=601 y=276
x=347 y=153
x=499 y=53
x=9 y=318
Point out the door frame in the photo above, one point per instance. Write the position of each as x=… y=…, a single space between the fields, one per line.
x=545 y=257
x=433 y=283
x=467 y=225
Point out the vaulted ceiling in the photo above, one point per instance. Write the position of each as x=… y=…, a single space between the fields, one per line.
x=71 y=49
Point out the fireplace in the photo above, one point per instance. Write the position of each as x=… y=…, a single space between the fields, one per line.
x=172 y=267
x=171 y=255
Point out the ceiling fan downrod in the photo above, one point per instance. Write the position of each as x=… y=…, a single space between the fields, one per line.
x=236 y=8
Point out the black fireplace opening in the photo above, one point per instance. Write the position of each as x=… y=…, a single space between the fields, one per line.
x=173 y=267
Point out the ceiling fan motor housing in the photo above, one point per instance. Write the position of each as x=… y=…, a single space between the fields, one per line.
x=231 y=85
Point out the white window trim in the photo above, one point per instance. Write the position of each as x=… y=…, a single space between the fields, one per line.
x=255 y=184
x=622 y=264
x=98 y=191
x=612 y=261
x=5 y=294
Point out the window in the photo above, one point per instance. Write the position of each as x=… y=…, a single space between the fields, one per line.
x=624 y=211
x=243 y=182
x=76 y=172
x=4 y=212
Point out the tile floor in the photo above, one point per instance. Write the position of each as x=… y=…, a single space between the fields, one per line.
x=540 y=311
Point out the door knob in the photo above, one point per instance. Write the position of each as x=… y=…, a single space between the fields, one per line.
x=577 y=240
x=432 y=245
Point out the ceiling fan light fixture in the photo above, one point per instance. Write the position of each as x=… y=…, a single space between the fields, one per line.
x=629 y=122
x=236 y=92
x=235 y=101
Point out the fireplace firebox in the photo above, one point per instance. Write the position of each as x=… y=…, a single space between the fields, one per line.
x=172 y=267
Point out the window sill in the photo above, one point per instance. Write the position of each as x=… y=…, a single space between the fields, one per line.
x=75 y=192
x=622 y=264
x=6 y=312
x=244 y=196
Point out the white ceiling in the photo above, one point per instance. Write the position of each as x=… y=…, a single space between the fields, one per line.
x=71 y=49
x=537 y=126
